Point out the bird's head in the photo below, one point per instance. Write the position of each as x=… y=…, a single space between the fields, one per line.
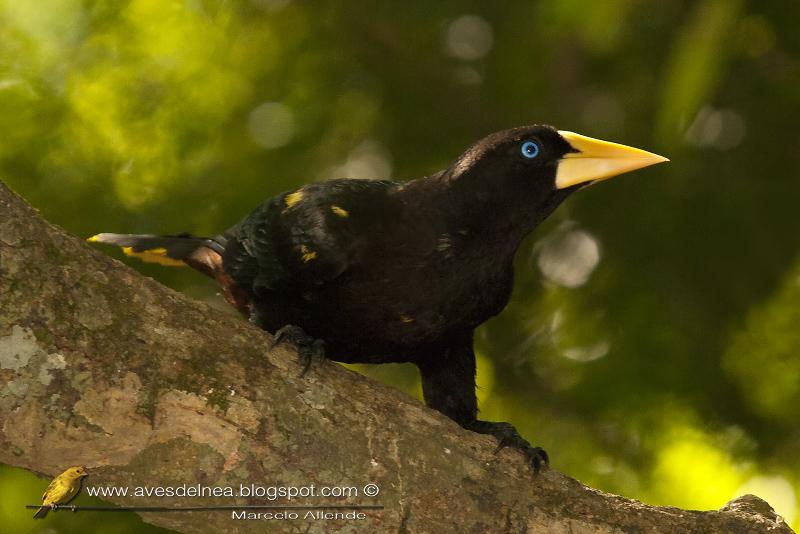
x=75 y=473
x=528 y=171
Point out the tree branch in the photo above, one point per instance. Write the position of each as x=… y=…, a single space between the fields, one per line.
x=103 y=367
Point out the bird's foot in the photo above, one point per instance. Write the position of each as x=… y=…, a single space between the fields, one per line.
x=508 y=436
x=308 y=348
x=54 y=507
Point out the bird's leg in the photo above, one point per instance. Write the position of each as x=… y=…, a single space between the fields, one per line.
x=508 y=436
x=448 y=384
x=308 y=348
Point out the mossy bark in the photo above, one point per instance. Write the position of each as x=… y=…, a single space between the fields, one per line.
x=102 y=367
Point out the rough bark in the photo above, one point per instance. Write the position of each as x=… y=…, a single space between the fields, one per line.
x=103 y=367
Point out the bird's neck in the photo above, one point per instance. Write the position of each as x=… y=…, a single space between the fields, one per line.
x=495 y=216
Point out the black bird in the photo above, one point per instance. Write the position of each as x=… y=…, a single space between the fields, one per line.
x=379 y=271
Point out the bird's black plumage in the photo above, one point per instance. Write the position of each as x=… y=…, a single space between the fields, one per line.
x=383 y=271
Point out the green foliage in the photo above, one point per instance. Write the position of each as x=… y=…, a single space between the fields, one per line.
x=650 y=345
x=769 y=341
x=699 y=58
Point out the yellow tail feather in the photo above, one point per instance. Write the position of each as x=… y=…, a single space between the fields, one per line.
x=154 y=255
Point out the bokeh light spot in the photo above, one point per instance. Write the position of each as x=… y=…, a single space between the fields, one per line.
x=271 y=124
x=469 y=37
x=568 y=258
x=369 y=160
x=587 y=354
x=722 y=129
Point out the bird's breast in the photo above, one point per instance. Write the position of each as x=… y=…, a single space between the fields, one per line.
x=418 y=300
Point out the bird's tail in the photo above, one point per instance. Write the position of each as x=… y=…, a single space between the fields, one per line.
x=41 y=512
x=201 y=253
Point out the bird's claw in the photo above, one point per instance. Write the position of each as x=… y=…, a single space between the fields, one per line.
x=309 y=349
x=507 y=436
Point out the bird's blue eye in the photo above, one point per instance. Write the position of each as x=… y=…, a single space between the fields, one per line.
x=530 y=149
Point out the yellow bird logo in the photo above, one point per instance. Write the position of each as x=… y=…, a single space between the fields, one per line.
x=61 y=490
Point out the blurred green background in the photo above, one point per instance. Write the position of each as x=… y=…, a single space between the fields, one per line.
x=652 y=345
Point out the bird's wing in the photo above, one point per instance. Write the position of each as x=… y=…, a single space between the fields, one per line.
x=309 y=236
x=50 y=491
x=56 y=490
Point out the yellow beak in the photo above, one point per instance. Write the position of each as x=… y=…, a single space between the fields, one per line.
x=598 y=160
